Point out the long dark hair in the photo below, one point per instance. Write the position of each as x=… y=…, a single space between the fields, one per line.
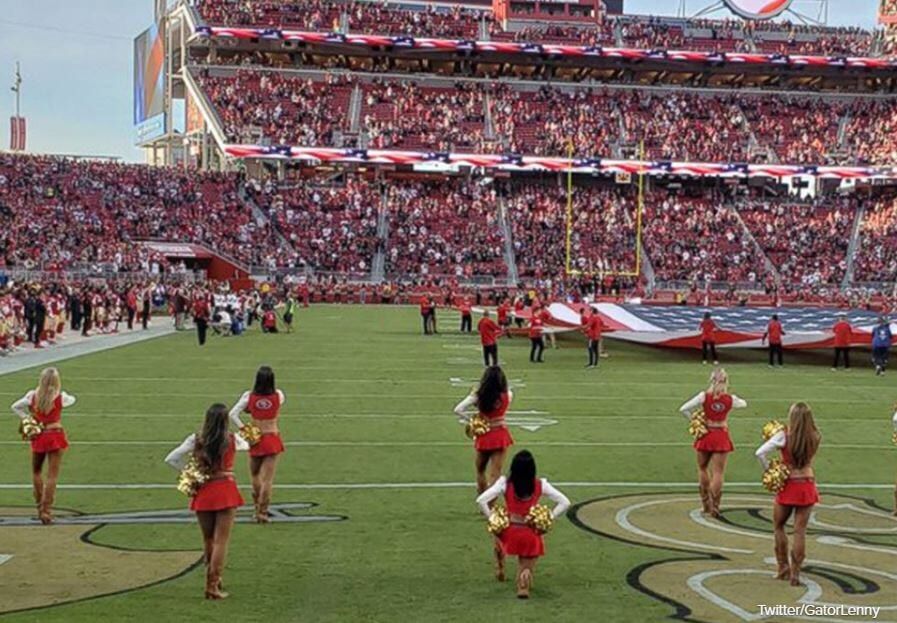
x=264 y=382
x=493 y=384
x=523 y=474
x=213 y=440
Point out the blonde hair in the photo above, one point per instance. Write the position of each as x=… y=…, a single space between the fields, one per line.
x=48 y=389
x=719 y=382
x=803 y=436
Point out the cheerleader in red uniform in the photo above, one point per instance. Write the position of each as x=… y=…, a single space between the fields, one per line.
x=217 y=500
x=713 y=448
x=45 y=404
x=263 y=403
x=522 y=491
x=492 y=398
x=798 y=445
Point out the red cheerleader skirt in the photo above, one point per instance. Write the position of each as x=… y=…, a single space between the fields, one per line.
x=217 y=495
x=49 y=440
x=520 y=540
x=716 y=440
x=269 y=444
x=798 y=492
x=496 y=439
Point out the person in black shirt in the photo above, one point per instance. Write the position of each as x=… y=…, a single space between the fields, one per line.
x=87 y=310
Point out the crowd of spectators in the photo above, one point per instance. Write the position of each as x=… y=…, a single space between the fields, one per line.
x=793 y=235
x=361 y=17
x=329 y=227
x=876 y=256
x=403 y=115
x=444 y=227
x=602 y=232
x=797 y=130
x=685 y=126
x=58 y=212
x=546 y=121
x=871 y=133
x=256 y=106
x=699 y=238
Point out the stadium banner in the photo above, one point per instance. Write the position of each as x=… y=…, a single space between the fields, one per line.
x=452 y=46
x=758 y=9
x=149 y=81
x=519 y=163
x=17 y=133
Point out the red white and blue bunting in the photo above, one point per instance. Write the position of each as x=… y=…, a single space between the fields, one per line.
x=546 y=49
x=517 y=163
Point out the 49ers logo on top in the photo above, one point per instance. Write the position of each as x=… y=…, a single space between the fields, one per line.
x=758 y=9
x=263 y=403
x=717 y=406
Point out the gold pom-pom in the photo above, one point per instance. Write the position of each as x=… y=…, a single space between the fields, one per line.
x=697 y=425
x=251 y=433
x=29 y=428
x=540 y=519
x=498 y=520
x=191 y=478
x=894 y=438
x=775 y=476
x=771 y=429
x=476 y=426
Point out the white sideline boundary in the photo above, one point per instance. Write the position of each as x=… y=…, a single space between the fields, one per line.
x=450 y=444
x=441 y=485
x=77 y=347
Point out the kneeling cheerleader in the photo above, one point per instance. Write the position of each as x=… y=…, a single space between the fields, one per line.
x=41 y=413
x=207 y=463
x=798 y=444
x=522 y=536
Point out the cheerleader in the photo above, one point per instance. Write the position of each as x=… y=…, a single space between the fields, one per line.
x=492 y=398
x=522 y=491
x=217 y=500
x=713 y=448
x=45 y=404
x=798 y=445
x=263 y=403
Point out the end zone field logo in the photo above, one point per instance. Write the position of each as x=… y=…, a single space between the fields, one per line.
x=758 y=9
x=723 y=571
x=83 y=568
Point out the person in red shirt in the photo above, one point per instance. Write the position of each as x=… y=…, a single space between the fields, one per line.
x=489 y=332
x=466 y=320
x=519 y=306
x=843 y=332
x=201 y=314
x=774 y=332
x=592 y=327
x=131 y=304
x=504 y=316
x=536 y=328
x=425 y=313
x=708 y=338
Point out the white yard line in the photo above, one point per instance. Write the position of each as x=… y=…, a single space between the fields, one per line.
x=444 y=485
x=457 y=444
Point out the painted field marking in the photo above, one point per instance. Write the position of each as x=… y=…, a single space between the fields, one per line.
x=456 y=381
x=353 y=395
x=696 y=583
x=5 y=558
x=528 y=424
x=443 y=485
x=462 y=347
x=418 y=416
x=622 y=520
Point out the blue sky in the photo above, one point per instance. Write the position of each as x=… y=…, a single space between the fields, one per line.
x=76 y=58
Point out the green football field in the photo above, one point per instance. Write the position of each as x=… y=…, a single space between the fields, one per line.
x=394 y=534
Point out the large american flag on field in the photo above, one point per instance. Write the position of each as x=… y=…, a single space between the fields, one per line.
x=676 y=326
